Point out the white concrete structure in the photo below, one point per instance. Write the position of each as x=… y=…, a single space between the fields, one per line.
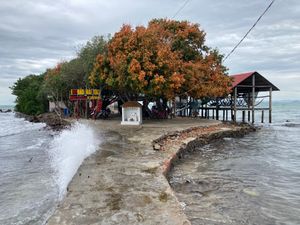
x=131 y=113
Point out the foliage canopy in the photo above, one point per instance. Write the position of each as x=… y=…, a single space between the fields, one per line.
x=30 y=100
x=163 y=60
x=33 y=90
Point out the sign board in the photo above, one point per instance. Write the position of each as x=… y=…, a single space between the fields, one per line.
x=84 y=94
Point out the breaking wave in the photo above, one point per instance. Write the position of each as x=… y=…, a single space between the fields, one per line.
x=68 y=150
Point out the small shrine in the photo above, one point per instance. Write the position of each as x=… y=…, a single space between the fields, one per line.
x=131 y=113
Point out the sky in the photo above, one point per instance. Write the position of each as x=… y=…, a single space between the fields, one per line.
x=36 y=34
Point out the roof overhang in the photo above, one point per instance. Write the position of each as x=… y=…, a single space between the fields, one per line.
x=131 y=104
x=243 y=82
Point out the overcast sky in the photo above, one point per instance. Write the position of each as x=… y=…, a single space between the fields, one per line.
x=36 y=34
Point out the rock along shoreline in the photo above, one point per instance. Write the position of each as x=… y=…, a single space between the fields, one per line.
x=52 y=120
x=126 y=181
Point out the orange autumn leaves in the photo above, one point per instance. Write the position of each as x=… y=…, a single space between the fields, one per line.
x=165 y=59
x=50 y=73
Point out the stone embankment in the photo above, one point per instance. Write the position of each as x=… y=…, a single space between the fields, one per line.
x=5 y=110
x=52 y=120
x=125 y=181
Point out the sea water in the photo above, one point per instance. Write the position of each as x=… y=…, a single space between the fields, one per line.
x=249 y=180
x=36 y=165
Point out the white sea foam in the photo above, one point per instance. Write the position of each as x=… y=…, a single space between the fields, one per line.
x=11 y=125
x=69 y=149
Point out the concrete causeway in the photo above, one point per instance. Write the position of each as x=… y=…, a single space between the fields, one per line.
x=123 y=182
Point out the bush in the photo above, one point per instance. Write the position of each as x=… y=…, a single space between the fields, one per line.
x=29 y=99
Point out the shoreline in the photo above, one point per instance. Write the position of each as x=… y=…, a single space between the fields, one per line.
x=52 y=120
x=125 y=182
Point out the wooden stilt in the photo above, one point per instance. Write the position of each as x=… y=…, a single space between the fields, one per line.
x=226 y=114
x=249 y=104
x=234 y=103
x=270 y=105
x=253 y=97
x=249 y=115
x=217 y=109
x=174 y=107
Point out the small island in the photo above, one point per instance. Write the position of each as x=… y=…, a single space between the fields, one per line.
x=171 y=89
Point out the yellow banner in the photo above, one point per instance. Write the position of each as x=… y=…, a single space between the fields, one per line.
x=88 y=91
x=96 y=91
x=85 y=92
x=80 y=92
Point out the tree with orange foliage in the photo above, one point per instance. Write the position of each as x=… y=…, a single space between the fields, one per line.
x=53 y=84
x=165 y=59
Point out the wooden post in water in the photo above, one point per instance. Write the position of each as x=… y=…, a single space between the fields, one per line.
x=217 y=109
x=190 y=106
x=179 y=103
x=248 y=115
x=207 y=113
x=226 y=114
x=270 y=105
x=249 y=99
x=231 y=107
x=186 y=111
x=174 y=107
x=253 y=97
x=234 y=103
x=262 y=116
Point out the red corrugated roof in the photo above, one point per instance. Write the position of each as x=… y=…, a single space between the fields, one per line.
x=238 y=78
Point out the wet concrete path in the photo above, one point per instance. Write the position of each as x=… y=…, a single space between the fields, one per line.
x=123 y=182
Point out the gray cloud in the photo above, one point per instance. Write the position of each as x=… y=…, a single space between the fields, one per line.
x=35 y=35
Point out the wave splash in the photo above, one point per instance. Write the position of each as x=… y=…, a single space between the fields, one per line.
x=68 y=150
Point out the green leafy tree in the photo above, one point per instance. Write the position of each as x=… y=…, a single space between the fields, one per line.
x=33 y=91
x=53 y=84
x=88 y=53
x=30 y=100
x=73 y=74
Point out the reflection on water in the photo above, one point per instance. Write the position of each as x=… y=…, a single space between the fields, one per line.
x=251 y=180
